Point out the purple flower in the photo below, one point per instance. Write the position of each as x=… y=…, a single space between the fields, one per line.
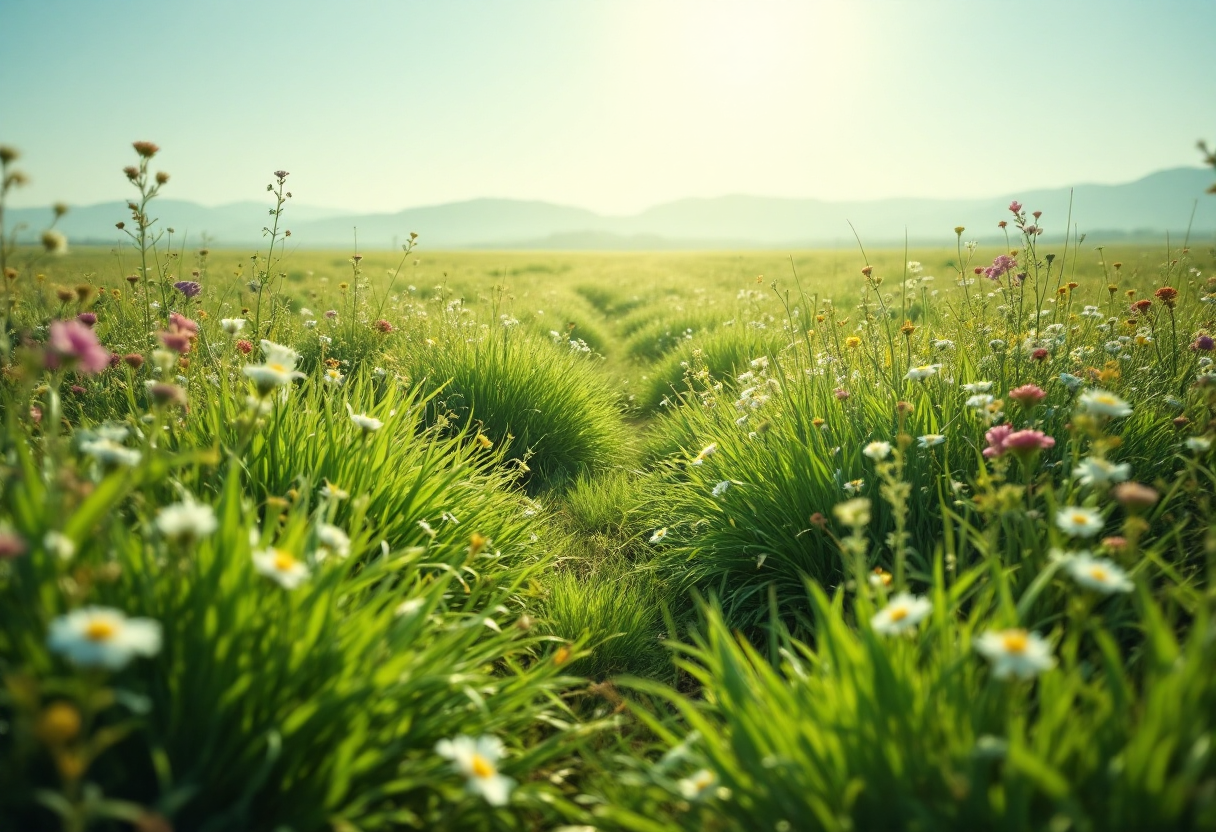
x=189 y=288
x=1015 y=207
x=1204 y=343
x=76 y=346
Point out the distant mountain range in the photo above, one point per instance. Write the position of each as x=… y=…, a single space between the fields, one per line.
x=1147 y=208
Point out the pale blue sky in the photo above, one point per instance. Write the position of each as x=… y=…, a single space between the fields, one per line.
x=377 y=105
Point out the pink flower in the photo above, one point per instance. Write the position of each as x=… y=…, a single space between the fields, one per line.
x=1028 y=395
x=87 y=318
x=1015 y=207
x=1027 y=442
x=11 y=545
x=76 y=347
x=1002 y=265
x=996 y=441
x=183 y=323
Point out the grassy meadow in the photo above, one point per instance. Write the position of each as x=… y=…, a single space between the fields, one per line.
x=830 y=540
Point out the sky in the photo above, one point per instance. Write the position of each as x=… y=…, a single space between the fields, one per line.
x=612 y=105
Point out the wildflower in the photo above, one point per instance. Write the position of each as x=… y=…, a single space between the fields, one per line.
x=996 y=441
x=922 y=372
x=333 y=540
x=162 y=393
x=854 y=486
x=281 y=567
x=477 y=759
x=55 y=543
x=901 y=615
x=1168 y=295
x=931 y=439
x=74 y=346
x=54 y=242
x=841 y=394
x=1026 y=443
x=12 y=545
x=697 y=785
x=1015 y=653
x=720 y=488
x=877 y=450
x=1102 y=403
x=852 y=342
x=1028 y=395
x=1198 y=444
x=658 y=535
x=1079 y=522
x=1097 y=471
x=1098 y=573
x=368 y=424
x=1040 y=355
x=1015 y=207
x=278 y=367
x=880 y=577
x=145 y=149
x=333 y=376
x=189 y=288
x=186 y=522
x=760 y=363
x=1204 y=343
x=708 y=451
x=110 y=453
x=232 y=325
x=1071 y=382
x=103 y=637
x=245 y=347
x=978 y=387
x=854 y=513
x=1133 y=495
x=426 y=529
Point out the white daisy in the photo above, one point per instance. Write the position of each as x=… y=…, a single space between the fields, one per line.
x=658 y=535
x=1097 y=471
x=1198 y=444
x=333 y=376
x=1103 y=403
x=368 y=424
x=855 y=512
x=877 y=450
x=1079 y=522
x=901 y=615
x=110 y=453
x=931 y=439
x=232 y=325
x=697 y=785
x=277 y=369
x=854 y=486
x=922 y=372
x=103 y=637
x=1015 y=653
x=332 y=492
x=477 y=759
x=978 y=387
x=720 y=488
x=1099 y=574
x=281 y=567
x=333 y=541
x=186 y=522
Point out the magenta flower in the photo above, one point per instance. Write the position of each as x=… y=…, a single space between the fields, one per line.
x=1028 y=395
x=996 y=441
x=1015 y=207
x=189 y=288
x=87 y=318
x=1204 y=343
x=76 y=347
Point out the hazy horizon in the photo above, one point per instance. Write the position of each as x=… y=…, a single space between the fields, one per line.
x=615 y=108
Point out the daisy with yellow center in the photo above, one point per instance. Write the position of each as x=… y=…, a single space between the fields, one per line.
x=103 y=637
x=477 y=759
x=697 y=785
x=901 y=615
x=1098 y=574
x=281 y=567
x=1015 y=652
x=1079 y=522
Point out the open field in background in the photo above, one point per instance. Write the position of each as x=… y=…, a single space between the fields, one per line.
x=476 y=541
